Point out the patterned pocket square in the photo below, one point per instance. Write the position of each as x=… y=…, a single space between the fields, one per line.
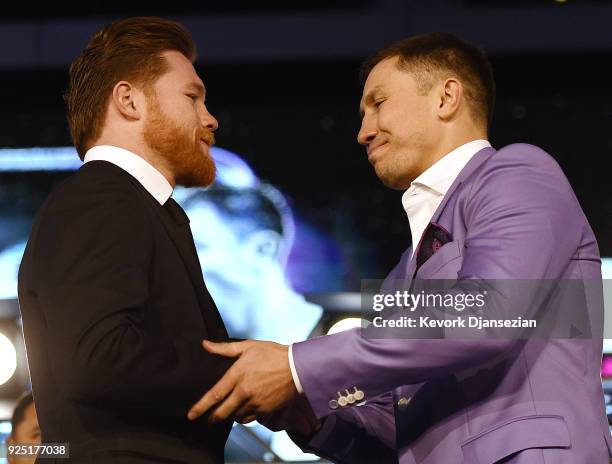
x=434 y=237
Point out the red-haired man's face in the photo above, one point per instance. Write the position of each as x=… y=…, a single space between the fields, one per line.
x=178 y=125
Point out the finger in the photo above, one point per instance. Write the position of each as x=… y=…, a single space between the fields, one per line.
x=244 y=412
x=247 y=419
x=214 y=396
x=227 y=408
x=229 y=350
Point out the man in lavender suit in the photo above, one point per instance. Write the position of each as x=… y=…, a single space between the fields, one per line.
x=507 y=214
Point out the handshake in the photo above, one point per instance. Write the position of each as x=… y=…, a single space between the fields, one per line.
x=258 y=386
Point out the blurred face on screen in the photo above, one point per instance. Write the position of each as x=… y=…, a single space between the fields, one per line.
x=27 y=432
x=399 y=125
x=178 y=125
x=230 y=264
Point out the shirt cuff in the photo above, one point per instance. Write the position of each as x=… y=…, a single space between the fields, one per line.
x=294 y=374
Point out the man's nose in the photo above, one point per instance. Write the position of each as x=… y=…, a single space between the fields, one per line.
x=209 y=121
x=366 y=134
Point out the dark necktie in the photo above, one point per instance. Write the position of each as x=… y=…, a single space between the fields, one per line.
x=211 y=315
x=176 y=212
x=181 y=220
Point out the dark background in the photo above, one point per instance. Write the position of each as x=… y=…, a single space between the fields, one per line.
x=282 y=81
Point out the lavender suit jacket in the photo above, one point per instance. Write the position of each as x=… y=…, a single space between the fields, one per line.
x=512 y=215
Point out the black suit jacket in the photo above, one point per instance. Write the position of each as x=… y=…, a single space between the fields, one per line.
x=114 y=310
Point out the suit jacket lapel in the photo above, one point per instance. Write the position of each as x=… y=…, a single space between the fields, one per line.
x=476 y=160
x=180 y=234
x=473 y=164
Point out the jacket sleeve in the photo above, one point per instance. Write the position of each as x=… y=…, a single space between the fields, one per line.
x=90 y=262
x=359 y=435
x=523 y=222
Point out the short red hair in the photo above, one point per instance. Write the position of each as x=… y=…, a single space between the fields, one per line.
x=129 y=49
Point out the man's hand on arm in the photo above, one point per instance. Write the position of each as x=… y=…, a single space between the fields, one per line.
x=258 y=384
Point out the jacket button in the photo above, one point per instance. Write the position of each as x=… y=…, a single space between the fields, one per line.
x=333 y=404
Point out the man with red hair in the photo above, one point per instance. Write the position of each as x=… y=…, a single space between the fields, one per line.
x=111 y=291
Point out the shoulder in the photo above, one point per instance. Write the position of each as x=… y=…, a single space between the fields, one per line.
x=521 y=166
x=523 y=157
x=522 y=177
x=95 y=178
x=96 y=193
x=94 y=217
x=97 y=183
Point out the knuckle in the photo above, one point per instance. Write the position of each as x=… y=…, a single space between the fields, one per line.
x=242 y=391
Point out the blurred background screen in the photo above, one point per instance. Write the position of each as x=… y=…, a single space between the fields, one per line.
x=297 y=217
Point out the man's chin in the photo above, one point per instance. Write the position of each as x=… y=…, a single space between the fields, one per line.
x=195 y=181
x=200 y=179
x=200 y=174
x=392 y=180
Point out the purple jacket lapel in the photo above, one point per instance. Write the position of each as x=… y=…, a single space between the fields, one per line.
x=474 y=163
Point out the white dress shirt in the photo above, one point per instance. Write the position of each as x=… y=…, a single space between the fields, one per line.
x=422 y=199
x=151 y=179
x=427 y=191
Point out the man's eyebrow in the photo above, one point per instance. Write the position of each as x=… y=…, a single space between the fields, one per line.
x=368 y=99
x=198 y=87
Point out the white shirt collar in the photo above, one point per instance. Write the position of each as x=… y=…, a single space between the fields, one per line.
x=440 y=175
x=427 y=191
x=151 y=179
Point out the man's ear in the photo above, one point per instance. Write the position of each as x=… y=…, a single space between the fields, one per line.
x=450 y=98
x=265 y=243
x=128 y=100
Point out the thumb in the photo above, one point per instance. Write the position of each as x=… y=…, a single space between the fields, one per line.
x=227 y=349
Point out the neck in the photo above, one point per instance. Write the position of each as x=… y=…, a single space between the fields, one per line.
x=141 y=149
x=454 y=140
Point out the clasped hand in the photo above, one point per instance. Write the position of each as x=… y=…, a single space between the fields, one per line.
x=259 y=385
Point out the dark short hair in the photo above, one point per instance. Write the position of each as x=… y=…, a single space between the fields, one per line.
x=248 y=209
x=24 y=401
x=128 y=49
x=435 y=56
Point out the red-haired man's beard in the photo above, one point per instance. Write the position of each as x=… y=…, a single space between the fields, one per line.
x=184 y=150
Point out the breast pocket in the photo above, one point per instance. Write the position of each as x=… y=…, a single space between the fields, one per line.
x=522 y=433
x=444 y=264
